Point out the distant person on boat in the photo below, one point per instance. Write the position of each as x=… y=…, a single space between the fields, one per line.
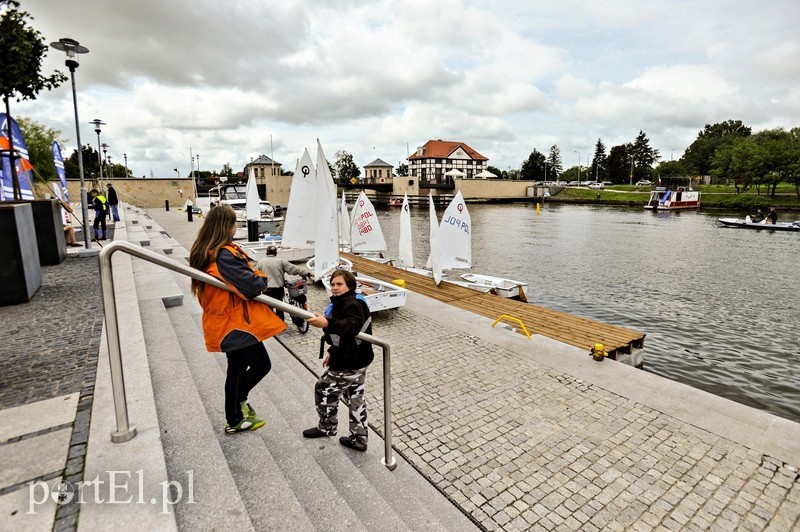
x=232 y=322
x=100 y=206
x=346 y=361
x=772 y=217
x=275 y=269
x=758 y=218
x=113 y=202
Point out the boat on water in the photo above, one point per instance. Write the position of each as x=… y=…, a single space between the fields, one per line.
x=666 y=199
x=747 y=223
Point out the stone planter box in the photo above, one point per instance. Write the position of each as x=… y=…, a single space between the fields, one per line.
x=49 y=228
x=21 y=274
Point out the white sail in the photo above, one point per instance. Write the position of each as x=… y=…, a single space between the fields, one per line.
x=326 y=245
x=252 y=201
x=299 y=228
x=435 y=258
x=455 y=235
x=344 y=224
x=365 y=228
x=405 y=251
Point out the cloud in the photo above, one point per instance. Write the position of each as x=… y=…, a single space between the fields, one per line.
x=371 y=76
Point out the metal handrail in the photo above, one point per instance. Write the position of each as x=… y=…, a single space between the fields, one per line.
x=144 y=204
x=127 y=432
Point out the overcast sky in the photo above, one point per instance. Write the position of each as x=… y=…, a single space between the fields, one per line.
x=231 y=80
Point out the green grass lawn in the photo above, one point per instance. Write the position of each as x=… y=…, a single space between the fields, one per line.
x=713 y=196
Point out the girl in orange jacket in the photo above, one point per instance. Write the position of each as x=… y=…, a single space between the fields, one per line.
x=232 y=322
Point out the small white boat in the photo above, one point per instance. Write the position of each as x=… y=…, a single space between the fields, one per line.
x=662 y=199
x=508 y=288
x=380 y=295
x=762 y=225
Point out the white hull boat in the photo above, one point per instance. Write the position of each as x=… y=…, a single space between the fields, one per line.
x=762 y=225
x=379 y=295
x=508 y=288
x=673 y=200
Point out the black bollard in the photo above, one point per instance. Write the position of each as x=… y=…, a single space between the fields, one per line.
x=189 y=212
x=166 y=204
x=252 y=230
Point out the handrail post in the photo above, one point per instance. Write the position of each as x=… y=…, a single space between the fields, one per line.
x=124 y=431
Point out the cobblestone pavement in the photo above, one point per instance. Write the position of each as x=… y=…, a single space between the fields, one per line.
x=519 y=446
x=49 y=348
x=47 y=343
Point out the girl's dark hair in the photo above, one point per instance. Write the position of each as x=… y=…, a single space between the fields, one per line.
x=212 y=236
x=349 y=278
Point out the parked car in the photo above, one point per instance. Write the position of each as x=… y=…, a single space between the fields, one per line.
x=573 y=184
x=644 y=183
x=607 y=183
x=596 y=185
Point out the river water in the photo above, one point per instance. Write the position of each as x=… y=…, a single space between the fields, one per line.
x=720 y=306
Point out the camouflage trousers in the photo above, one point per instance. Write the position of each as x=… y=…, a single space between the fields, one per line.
x=329 y=389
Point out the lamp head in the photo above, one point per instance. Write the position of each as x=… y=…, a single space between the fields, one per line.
x=72 y=48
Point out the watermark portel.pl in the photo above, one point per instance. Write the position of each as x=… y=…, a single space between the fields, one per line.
x=120 y=487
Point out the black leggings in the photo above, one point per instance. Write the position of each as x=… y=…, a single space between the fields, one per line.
x=246 y=368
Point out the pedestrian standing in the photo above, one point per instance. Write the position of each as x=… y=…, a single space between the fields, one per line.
x=275 y=268
x=100 y=206
x=346 y=361
x=232 y=322
x=113 y=202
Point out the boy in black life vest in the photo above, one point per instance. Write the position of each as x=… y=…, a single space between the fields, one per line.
x=346 y=361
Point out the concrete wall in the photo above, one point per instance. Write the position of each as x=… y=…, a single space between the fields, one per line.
x=151 y=192
x=492 y=188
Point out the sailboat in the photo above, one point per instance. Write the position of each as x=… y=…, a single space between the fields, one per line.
x=297 y=241
x=405 y=251
x=451 y=248
x=379 y=295
x=365 y=233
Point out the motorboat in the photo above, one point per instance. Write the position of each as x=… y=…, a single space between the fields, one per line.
x=747 y=223
x=666 y=199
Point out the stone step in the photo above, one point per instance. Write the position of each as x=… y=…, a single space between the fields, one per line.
x=189 y=440
x=269 y=498
x=412 y=497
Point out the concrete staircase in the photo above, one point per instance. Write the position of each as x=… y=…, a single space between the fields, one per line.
x=271 y=479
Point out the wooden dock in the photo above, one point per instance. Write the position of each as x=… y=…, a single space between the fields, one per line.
x=572 y=330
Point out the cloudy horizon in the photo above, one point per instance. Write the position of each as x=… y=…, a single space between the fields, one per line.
x=377 y=78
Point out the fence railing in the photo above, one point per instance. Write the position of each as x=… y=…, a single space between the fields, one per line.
x=125 y=431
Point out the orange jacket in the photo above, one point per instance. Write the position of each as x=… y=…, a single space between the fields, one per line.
x=230 y=320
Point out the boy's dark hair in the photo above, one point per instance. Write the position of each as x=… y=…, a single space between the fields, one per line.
x=349 y=278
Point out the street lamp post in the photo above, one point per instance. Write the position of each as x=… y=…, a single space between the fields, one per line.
x=110 y=173
x=72 y=48
x=631 y=181
x=107 y=160
x=125 y=156
x=179 y=174
x=579 y=166
x=97 y=123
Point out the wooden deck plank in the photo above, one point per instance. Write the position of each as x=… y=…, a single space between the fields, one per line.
x=573 y=330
